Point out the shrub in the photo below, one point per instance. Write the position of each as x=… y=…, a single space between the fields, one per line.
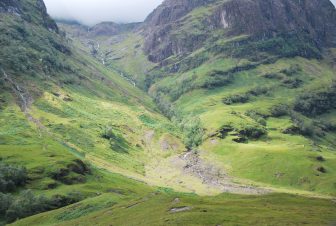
x=277 y=76
x=305 y=126
x=216 y=79
x=252 y=132
x=245 y=97
x=283 y=45
x=320 y=158
x=326 y=125
x=223 y=132
x=237 y=98
x=193 y=132
x=108 y=133
x=5 y=202
x=26 y=204
x=58 y=201
x=12 y=177
x=165 y=105
x=314 y=103
x=279 y=110
x=256 y=117
x=292 y=70
x=259 y=90
x=292 y=83
x=321 y=169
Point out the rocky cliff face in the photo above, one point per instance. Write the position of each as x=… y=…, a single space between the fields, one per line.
x=270 y=17
x=10 y=6
x=263 y=18
x=171 y=10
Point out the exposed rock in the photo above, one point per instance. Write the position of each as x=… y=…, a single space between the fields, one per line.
x=180 y=209
x=10 y=6
x=49 y=23
x=215 y=177
x=176 y=201
x=262 y=18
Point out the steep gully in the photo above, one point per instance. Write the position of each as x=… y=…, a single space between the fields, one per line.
x=26 y=101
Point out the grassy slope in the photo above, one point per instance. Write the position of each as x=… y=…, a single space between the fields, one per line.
x=154 y=209
x=121 y=53
x=292 y=156
x=71 y=129
x=279 y=159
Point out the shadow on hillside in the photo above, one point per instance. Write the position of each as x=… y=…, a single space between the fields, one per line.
x=120 y=144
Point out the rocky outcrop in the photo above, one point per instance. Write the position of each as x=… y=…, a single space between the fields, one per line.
x=264 y=18
x=10 y=6
x=171 y=10
x=271 y=17
x=47 y=21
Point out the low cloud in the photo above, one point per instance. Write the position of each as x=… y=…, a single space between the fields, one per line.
x=91 y=12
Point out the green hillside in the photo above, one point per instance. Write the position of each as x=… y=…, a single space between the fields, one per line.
x=107 y=128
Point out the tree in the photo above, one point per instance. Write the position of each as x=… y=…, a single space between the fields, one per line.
x=26 y=204
x=5 y=202
x=193 y=132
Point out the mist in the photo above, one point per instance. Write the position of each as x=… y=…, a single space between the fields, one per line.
x=91 y=12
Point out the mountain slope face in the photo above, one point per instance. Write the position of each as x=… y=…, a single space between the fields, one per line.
x=75 y=129
x=63 y=115
x=263 y=19
x=259 y=75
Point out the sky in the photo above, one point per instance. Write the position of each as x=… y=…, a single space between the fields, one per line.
x=91 y=12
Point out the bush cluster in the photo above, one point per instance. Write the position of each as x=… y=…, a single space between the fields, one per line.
x=283 y=45
x=256 y=117
x=280 y=110
x=292 y=70
x=313 y=103
x=236 y=98
x=12 y=177
x=27 y=204
x=304 y=126
x=245 y=97
x=193 y=132
x=216 y=79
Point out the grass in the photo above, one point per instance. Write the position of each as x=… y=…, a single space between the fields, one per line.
x=133 y=179
x=154 y=209
x=278 y=159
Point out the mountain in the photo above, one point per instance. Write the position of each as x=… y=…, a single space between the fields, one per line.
x=210 y=112
x=169 y=32
x=259 y=75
